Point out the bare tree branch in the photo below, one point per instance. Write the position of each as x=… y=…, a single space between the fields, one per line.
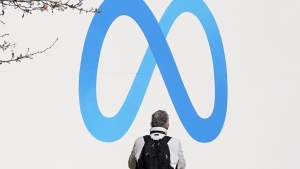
x=27 y=55
x=28 y=7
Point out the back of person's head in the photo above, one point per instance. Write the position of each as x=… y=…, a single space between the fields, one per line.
x=160 y=118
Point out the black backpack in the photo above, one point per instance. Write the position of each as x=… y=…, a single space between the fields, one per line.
x=155 y=154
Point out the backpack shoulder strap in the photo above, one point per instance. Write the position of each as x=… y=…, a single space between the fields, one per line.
x=165 y=139
x=147 y=139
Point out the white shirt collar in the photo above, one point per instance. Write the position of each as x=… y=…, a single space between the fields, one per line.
x=159 y=129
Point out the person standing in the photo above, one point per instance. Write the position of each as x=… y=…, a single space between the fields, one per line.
x=159 y=126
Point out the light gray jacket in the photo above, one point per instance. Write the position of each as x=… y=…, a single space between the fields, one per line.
x=174 y=146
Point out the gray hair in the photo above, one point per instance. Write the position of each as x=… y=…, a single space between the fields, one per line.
x=160 y=119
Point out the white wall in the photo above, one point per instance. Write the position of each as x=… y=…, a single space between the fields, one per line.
x=40 y=119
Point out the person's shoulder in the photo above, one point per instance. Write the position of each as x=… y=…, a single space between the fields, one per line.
x=174 y=140
x=140 y=140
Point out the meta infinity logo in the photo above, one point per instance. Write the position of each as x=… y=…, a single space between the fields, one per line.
x=112 y=129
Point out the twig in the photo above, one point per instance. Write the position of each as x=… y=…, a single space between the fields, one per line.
x=27 y=55
x=4 y=35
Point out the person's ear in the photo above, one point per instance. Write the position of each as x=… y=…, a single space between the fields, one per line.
x=151 y=124
x=168 y=126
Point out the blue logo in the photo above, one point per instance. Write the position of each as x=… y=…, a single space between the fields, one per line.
x=112 y=129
